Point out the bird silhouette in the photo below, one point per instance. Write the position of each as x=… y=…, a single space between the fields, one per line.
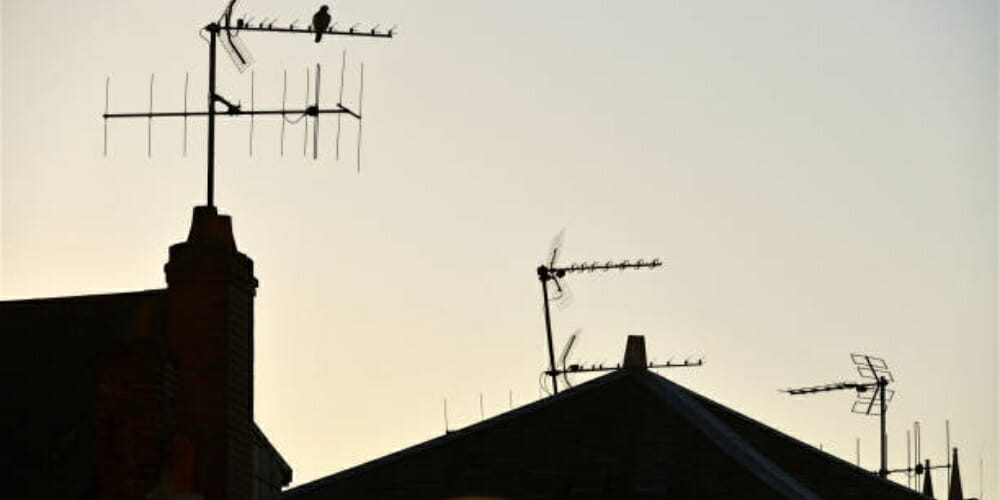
x=321 y=21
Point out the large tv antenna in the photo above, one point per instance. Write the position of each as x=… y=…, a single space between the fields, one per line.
x=228 y=30
x=552 y=272
x=873 y=395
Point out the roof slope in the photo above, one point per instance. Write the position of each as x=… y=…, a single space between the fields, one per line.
x=629 y=434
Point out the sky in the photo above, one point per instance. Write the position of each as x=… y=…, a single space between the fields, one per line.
x=819 y=178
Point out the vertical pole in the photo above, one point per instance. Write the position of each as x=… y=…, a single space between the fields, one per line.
x=252 y=75
x=543 y=276
x=213 y=30
x=149 y=127
x=361 y=100
x=340 y=99
x=909 y=462
x=107 y=95
x=186 y=75
x=305 y=119
x=947 y=438
x=883 y=468
x=316 y=120
x=284 y=97
x=445 y=415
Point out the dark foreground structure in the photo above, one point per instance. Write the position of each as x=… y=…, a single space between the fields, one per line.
x=631 y=434
x=149 y=395
x=142 y=395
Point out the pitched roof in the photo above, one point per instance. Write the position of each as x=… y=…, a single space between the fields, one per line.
x=628 y=434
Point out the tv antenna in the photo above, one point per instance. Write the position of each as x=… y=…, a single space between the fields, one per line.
x=873 y=395
x=916 y=465
x=552 y=272
x=565 y=368
x=227 y=30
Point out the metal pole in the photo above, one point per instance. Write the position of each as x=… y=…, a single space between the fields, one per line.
x=883 y=469
x=909 y=462
x=947 y=438
x=543 y=276
x=213 y=30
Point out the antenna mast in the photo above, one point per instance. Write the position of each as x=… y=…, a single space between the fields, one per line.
x=229 y=32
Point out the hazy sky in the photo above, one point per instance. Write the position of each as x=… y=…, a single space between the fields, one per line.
x=819 y=178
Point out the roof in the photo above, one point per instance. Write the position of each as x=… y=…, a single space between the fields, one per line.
x=48 y=371
x=628 y=434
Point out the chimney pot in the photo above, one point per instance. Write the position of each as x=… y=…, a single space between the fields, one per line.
x=635 y=353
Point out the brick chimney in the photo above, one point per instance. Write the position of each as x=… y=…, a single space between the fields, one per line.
x=210 y=295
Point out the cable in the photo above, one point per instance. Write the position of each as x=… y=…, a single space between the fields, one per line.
x=297 y=120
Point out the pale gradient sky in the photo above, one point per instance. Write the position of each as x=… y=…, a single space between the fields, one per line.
x=819 y=177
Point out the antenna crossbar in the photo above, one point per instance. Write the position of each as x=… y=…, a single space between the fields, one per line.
x=829 y=387
x=606 y=266
x=308 y=31
x=310 y=111
x=601 y=368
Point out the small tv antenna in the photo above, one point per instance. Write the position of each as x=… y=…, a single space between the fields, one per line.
x=873 y=395
x=553 y=272
x=917 y=465
x=227 y=31
x=565 y=368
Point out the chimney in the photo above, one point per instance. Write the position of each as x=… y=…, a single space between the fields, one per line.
x=210 y=294
x=635 y=353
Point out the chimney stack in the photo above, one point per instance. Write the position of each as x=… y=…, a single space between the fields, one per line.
x=635 y=353
x=210 y=296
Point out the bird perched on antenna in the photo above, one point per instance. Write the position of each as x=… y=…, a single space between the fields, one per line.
x=321 y=21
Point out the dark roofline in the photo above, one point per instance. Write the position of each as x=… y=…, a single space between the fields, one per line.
x=286 y=470
x=75 y=298
x=454 y=435
x=720 y=408
x=699 y=410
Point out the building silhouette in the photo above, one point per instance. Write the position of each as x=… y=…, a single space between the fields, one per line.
x=140 y=395
x=631 y=434
x=149 y=395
